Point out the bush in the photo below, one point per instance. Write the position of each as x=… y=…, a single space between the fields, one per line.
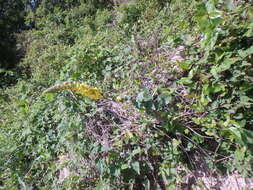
x=177 y=97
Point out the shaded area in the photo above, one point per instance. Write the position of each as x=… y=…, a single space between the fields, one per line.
x=11 y=21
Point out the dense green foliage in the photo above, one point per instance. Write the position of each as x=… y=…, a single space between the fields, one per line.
x=177 y=83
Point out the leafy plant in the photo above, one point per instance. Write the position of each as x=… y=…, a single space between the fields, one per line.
x=177 y=91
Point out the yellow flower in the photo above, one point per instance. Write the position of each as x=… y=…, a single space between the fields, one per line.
x=90 y=92
x=119 y=99
x=80 y=88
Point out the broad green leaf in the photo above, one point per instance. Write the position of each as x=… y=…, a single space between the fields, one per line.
x=247 y=136
x=136 y=166
x=164 y=99
x=230 y=4
x=124 y=166
x=144 y=96
x=245 y=53
x=225 y=65
x=236 y=133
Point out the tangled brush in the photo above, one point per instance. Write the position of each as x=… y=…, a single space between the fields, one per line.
x=111 y=115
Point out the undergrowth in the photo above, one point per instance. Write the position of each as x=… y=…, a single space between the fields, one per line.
x=176 y=79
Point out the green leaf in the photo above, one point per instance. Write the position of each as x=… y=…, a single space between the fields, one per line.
x=23 y=103
x=230 y=4
x=236 y=133
x=128 y=134
x=204 y=99
x=164 y=99
x=184 y=65
x=124 y=166
x=225 y=65
x=102 y=185
x=185 y=80
x=246 y=52
x=240 y=153
x=144 y=96
x=50 y=96
x=136 y=166
x=136 y=151
x=247 y=136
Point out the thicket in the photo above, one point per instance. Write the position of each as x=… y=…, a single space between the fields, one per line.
x=176 y=79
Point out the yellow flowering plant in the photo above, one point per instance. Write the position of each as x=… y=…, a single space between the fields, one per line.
x=79 y=88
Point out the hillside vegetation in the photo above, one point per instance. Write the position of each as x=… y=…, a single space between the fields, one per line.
x=128 y=94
